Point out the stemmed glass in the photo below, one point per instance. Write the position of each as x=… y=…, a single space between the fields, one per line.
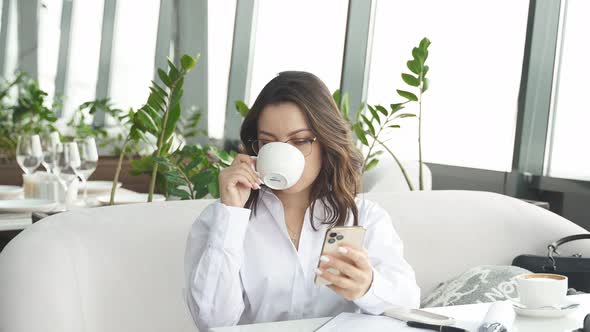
x=29 y=153
x=88 y=161
x=49 y=144
x=67 y=161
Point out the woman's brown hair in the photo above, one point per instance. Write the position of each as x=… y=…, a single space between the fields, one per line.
x=338 y=181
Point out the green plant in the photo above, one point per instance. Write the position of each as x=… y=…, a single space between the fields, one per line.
x=379 y=121
x=158 y=117
x=417 y=65
x=28 y=114
x=192 y=172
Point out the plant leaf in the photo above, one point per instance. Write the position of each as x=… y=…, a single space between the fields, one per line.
x=371 y=164
x=369 y=124
x=414 y=67
x=411 y=80
x=374 y=114
x=336 y=97
x=396 y=107
x=345 y=106
x=407 y=95
x=360 y=134
x=242 y=108
x=425 y=85
x=164 y=77
x=419 y=55
x=381 y=109
x=406 y=115
x=187 y=62
x=146 y=121
x=394 y=126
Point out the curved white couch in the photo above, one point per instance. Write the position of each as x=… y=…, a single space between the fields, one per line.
x=121 y=268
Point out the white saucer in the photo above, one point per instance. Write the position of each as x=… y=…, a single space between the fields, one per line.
x=125 y=198
x=10 y=192
x=545 y=312
x=99 y=187
x=27 y=205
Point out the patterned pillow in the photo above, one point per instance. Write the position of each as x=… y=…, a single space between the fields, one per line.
x=481 y=284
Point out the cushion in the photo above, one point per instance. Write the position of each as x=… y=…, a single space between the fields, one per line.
x=481 y=284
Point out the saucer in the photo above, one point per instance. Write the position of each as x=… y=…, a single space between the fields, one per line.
x=564 y=309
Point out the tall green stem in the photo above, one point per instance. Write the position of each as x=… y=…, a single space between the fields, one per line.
x=420 y=174
x=405 y=174
x=161 y=140
x=117 y=172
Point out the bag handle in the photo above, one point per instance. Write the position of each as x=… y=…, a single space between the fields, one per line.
x=552 y=248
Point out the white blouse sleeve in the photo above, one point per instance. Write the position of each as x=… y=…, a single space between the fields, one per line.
x=394 y=281
x=214 y=255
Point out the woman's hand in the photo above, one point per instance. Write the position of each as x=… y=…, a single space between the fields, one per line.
x=356 y=272
x=236 y=181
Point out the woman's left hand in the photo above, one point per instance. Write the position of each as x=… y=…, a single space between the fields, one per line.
x=356 y=272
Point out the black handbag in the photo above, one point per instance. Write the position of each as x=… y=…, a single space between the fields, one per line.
x=575 y=267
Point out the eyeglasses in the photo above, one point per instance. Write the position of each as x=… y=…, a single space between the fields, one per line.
x=303 y=144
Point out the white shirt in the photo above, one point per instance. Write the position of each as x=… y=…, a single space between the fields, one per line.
x=241 y=270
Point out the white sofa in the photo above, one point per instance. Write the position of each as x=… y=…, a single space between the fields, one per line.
x=121 y=268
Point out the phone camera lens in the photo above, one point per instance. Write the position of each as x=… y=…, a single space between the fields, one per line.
x=333 y=234
x=340 y=237
x=331 y=241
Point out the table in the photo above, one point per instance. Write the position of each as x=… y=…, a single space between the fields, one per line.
x=20 y=221
x=464 y=314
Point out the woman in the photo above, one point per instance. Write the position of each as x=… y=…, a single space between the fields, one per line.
x=252 y=255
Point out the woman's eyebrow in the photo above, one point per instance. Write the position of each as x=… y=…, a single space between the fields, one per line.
x=290 y=134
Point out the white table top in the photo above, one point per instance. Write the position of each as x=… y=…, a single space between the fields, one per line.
x=16 y=221
x=464 y=313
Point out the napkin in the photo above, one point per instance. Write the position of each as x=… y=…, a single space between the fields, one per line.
x=499 y=318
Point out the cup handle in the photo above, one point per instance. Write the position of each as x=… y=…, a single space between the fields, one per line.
x=255 y=158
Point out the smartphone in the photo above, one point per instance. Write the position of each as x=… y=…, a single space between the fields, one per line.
x=418 y=315
x=336 y=236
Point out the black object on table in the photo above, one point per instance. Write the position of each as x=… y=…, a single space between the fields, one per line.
x=440 y=328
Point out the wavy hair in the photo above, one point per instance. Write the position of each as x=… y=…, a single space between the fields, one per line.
x=338 y=181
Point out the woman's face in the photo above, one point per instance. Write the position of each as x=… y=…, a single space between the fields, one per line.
x=283 y=122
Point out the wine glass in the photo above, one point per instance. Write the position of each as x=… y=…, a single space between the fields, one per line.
x=67 y=161
x=29 y=153
x=88 y=161
x=49 y=142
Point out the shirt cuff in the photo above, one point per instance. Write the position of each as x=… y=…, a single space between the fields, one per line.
x=371 y=302
x=233 y=226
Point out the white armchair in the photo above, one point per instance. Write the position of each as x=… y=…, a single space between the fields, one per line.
x=121 y=268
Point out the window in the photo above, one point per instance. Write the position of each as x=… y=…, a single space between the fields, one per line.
x=221 y=18
x=299 y=35
x=48 y=45
x=84 y=54
x=568 y=152
x=11 y=52
x=134 y=49
x=475 y=60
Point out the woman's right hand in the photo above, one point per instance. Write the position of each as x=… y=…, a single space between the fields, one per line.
x=236 y=181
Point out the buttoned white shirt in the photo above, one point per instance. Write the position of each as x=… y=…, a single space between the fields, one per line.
x=242 y=268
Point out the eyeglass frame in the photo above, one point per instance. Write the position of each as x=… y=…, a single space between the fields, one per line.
x=311 y=141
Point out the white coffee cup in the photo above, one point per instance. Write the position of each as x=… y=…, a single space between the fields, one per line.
x=538 y=290
x=280 y=165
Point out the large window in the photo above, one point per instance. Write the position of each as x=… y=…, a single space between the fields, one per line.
x=84 y=54
x=299 y=35
x=221 y=17
x=475 y=60
x=11 y=52
x=48 y=44
x=568 y=151
x=134 y=48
